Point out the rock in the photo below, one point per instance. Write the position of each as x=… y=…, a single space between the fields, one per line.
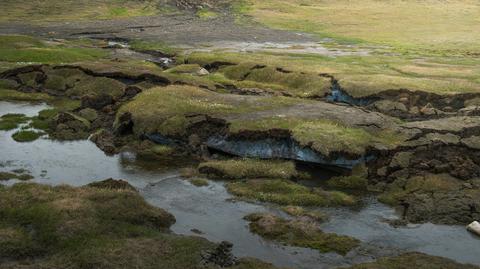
x=382 y=171
x=401 y=160
x=113 y=184
x=474 y=227
x=89 y=114
x=451 y=124
x=202 y=72
x=447 y=139
x=389 y=106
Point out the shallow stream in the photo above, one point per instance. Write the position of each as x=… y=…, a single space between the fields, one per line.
x=212 y=211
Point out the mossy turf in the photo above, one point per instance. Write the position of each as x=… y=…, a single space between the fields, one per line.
x=12 y=121
x=248 y=169
x=285 y=192
x=298 y=211
x=299 y=233
x=93 y=227
x=26 y=136
x=252 y=75
x=413 y=260
x=199 y=182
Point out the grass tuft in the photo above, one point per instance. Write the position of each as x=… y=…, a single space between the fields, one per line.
x=249 y=168
x=284 y=192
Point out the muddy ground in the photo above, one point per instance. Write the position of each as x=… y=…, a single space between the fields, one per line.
x=184 y=29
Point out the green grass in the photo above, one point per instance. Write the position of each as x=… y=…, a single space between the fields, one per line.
x=299 y=233
x=427 y=26
x=199 y=182
x=13 y=95
x=284 y=192
x=248 y=168
x=69 y=10
x=358 y=75
x=26 y=49
x=145 y=45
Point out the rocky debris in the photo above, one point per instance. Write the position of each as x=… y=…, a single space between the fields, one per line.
x=221 y=255
x=113 y=184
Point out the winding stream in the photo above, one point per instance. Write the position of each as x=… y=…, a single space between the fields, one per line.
x=212 y=210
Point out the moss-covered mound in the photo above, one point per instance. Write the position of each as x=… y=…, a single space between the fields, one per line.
x=168 y=110
x=248 y=168
x=413 y=260
x=285 y=192
x=299 y=233
x=104 y=226
x=26 y=136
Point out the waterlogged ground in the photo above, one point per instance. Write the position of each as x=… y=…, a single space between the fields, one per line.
x=213 y=213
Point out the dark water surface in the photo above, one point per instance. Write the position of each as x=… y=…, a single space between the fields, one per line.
x=211 y=210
